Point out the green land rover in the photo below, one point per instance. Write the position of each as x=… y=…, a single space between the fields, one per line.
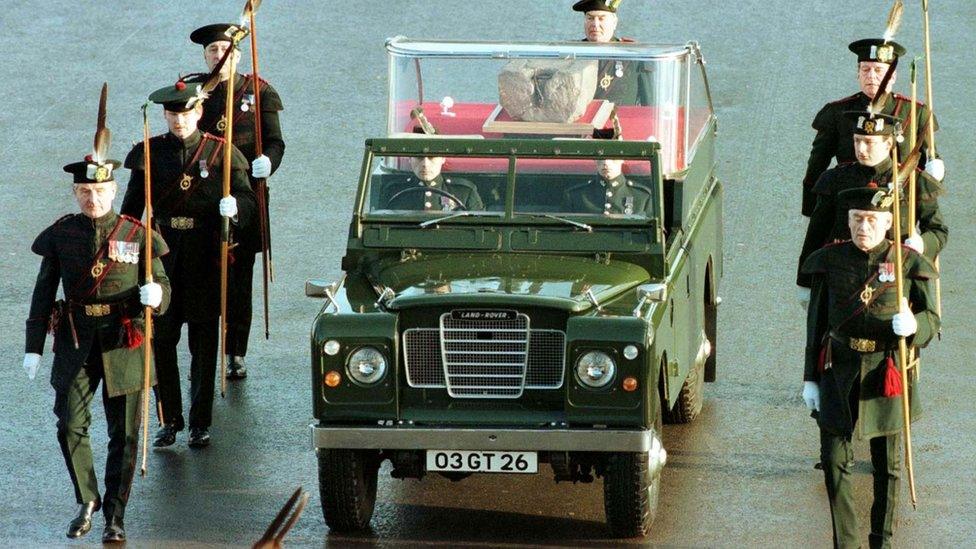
x=512 y=316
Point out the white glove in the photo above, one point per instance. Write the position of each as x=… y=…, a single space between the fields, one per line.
x=31 y=362
x=936 y=168
x=803 y=296
x=811 y=395
x=261 y=167
x=904 y=323
x=228 y=206
x=151 y=295
x=915 y=242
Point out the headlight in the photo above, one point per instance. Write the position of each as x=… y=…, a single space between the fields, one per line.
x=366 y=365
x=331 y=347
x=595 y=369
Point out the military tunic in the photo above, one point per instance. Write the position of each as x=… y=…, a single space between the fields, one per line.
x=186 y=189
x=851 y=381
x=835 y=136
x=96 y=338
x=213 y=121
x=624 y=82
x=616 y=196
x=828 y=224
x=429 y=199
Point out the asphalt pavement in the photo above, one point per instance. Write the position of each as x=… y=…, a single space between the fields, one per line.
x=740 y=476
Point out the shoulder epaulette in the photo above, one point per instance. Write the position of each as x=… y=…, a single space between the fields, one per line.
x=211 y=137
x=637 y=186
x=907 y=99
x=63 y=218
x=131 y=219
x=629 y=40
x=251 y=77
x=835 y=243
x=844 y=100
x=579 y=186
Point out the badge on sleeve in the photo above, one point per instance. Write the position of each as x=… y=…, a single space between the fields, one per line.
x=123 y=252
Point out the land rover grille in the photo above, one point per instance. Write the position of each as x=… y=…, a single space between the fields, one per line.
x=484 y=357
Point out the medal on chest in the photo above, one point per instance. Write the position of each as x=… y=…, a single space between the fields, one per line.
x=204 y=173
x=866 y=294
x=629 y=205
x=123 y=252
x=186 y=181
x=222 y=123
x=606 y=81
x=247 y=102
x=97 y=269
x=886 y=272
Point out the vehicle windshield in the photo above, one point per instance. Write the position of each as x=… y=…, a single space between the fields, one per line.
x=454 y=187
x=558 y=90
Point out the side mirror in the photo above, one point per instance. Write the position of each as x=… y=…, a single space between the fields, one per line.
x=317 y=287
x=653 y=292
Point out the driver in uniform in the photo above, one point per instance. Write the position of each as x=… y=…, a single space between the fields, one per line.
x=430 y=191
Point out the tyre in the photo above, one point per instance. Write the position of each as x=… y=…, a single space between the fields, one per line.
x=689 y=402
x=347 y=487
x=630 y=495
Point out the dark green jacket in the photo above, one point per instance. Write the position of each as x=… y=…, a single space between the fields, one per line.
x=68 y=249
x=624 y=82
x=840 y=273
x=194 y=264
x=828 y=224
x=617 y=196
x=398 y=197
x=835 y=137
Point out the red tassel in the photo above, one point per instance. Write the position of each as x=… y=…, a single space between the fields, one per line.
x=133 y=337
x=892 y=379
x=822 y=360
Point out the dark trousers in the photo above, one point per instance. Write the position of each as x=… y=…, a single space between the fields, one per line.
x=239 y=307
x=837 y=457
x=203 y=341
x=122 y=415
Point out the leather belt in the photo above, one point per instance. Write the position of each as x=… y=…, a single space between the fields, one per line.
x=178 y=223
x=862 y=345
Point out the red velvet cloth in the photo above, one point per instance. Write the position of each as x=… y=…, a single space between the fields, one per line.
x=637 y=124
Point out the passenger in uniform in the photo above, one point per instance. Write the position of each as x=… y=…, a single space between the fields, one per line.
x=621 y=82
x=851 y=380
x=610 y=193
x=215 y=42
x=873 y=139
x=98 y=259
x=835 y=130
x=188 y=206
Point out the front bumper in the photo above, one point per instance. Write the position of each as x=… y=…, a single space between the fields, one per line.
x=501 y=439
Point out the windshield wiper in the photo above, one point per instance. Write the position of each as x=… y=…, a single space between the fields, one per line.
x=462 y=213
x=576 y=224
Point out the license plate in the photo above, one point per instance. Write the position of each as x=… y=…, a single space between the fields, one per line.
x=465 y=461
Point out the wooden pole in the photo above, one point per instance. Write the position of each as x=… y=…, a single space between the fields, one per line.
x=225 y=221
x=930 y=101
x=902 y=345
x=148 y=258
x=263 y=196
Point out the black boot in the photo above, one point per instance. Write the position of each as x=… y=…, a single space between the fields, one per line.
x=114 y=531
x=82 y=523
x=236 y=368
x=166 y=436
x=199 y=437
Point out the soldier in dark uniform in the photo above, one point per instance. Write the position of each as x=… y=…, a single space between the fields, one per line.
x=610 y=193
x=215 y=42
x=873 y=139
x=834 y=130
x=188 y=205
x=97 y=257
x=429 y=190
x=851 y=379
x=621 y=82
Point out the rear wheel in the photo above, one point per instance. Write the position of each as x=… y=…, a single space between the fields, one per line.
x=347 y=487
x=689 y=402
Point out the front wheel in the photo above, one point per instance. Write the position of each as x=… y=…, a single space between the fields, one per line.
x=347 y=487
x=630 y=494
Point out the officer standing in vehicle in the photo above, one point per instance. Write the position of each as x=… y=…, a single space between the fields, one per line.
x=874 y=137
x=621 y=82
x=188 y=205
x=97 y=257
x=215 y=42
x=835 y=130
x=851 y=382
